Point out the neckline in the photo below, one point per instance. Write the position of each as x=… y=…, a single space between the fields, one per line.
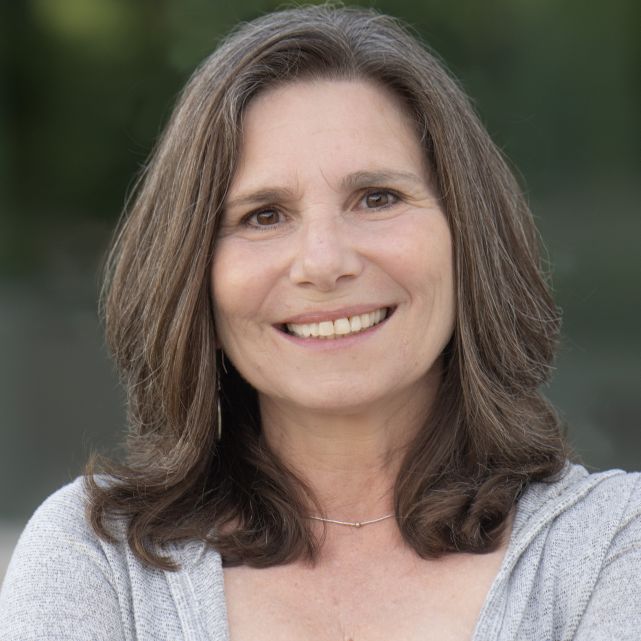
x=484 y=613
x=531 y=513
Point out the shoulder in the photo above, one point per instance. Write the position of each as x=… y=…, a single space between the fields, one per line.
x=65 y=582
x=603 y=503
x=58 y=572
x=61 y=530
x=59 y=526
x=64 y=511
x=575 y=542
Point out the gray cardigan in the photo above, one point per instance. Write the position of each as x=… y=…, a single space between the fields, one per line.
x=572 y=571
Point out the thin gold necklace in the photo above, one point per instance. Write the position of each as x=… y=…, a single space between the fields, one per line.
x=352 y=523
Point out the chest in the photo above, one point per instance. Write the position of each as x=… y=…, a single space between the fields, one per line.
x=402 y=597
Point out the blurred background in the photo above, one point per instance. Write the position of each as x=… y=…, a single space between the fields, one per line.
x=86 y=86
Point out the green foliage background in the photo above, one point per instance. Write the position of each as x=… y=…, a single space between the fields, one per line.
x=86 y=87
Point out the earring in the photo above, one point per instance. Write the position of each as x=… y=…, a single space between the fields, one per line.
x=219 y=421
x=219 y=413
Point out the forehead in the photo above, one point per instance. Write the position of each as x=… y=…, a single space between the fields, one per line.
x=297 y=91
x=332 y=125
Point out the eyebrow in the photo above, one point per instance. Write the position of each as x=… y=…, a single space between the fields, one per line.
x=361 y=179
x=355 y=180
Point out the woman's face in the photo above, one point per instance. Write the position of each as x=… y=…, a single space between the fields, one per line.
x=332 y=278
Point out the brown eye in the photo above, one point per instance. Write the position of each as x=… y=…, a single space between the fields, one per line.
x=266 y=218
x=378 y=199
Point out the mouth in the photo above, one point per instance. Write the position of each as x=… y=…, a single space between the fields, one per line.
x=339 y=327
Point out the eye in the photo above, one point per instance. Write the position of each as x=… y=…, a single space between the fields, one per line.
x=379 y=199
x=263 y=218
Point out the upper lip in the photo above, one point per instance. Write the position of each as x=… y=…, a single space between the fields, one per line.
x=333 y=314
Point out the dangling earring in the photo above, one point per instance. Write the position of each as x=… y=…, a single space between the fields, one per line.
x=219 y=413
x=219 y=420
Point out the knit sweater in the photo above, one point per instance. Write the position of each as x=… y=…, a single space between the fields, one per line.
x=572 y=570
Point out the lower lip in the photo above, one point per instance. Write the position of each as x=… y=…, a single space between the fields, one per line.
x=331 y=344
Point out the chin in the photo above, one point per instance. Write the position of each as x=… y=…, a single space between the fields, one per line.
x=338 y=399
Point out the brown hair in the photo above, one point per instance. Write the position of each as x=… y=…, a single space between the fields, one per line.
x=490 y=433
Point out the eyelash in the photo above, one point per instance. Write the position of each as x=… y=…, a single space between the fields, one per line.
x=388 y=192
x=247 y=220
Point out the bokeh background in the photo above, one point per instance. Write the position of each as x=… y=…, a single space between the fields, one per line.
x=85 y=88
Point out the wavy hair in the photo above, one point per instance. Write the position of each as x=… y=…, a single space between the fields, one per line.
x=490 y=432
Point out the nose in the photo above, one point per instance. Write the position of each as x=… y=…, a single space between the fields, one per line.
x=325 y=255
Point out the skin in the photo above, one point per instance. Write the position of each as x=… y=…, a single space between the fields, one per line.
x=332 y=210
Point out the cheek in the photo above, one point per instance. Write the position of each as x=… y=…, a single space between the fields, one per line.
x=423 y=264
x=440 y=266
x=228 y=284
x=420 y=257
x=241 y=280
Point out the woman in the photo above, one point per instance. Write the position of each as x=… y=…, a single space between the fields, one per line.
x=328 y=310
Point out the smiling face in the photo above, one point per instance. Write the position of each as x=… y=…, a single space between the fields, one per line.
x=332 y=278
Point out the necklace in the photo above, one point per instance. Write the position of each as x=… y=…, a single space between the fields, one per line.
x=351 y=523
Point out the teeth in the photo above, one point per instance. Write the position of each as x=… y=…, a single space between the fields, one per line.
x=339 y=327
x=326 y=328
x=342 y=326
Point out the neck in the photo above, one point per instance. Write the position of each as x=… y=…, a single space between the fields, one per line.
x=350 y=460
